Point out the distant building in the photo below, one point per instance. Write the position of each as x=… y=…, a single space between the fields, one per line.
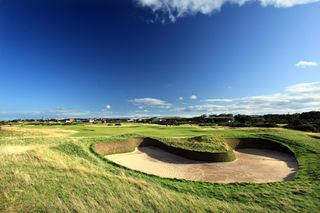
x=70 y=120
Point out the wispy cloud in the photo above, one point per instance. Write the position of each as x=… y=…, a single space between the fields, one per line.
x=105 y=112
x=150 y=102
x=306 y=64
x=218 y=100
x=54 y=113
x=180 y=98
x=68 y=112
x=193 y=97
x=173 y=9
x=57 y=113
x=312 y=87
x=295 y=98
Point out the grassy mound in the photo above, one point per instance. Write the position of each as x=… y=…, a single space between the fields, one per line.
x=201 y=148
x=203 y=143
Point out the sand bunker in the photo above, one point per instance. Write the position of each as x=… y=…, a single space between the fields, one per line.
x=252 y=165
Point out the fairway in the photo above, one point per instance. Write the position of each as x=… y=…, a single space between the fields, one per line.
x=55 y=168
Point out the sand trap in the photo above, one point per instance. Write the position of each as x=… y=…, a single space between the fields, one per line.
x=252 y=165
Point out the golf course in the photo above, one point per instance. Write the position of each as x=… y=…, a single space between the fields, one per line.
x=154 y=168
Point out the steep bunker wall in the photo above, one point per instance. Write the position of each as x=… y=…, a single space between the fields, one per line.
x=258 y=143
x=108 y=148
x=258 y=160
x=128 y=146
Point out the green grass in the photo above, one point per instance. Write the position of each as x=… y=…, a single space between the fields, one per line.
x=88 y=130
x=73 y=150
x=203 y=143
x=60 y=173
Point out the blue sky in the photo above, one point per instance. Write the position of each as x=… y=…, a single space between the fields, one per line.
x=158 y=57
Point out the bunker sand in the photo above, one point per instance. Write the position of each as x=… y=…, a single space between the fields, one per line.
x=252 y=165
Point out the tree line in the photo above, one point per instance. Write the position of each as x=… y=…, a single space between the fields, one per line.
x=306 y=121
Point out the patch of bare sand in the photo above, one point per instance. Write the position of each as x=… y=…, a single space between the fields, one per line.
x=36 y=132
x=252 y=165
x=14 y=149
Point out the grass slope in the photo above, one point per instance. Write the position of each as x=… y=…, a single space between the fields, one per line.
x=203 y=143
x=52 y=169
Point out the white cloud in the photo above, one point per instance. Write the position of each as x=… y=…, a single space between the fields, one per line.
x=142 y=111
x=311 y=87
x=54 y=113
x=180 y=98
x=193 y=97
x=105 y=112
x=218 y=100
x=178 y=8
x=306 y=64
x=57 y=113
x=150 y=102
x=296 y=98
x=285 y=3
x=67 y=112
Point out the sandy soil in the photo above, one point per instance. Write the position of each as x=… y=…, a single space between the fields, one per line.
x=14 y=149
x=252 y=165
x=39 y=132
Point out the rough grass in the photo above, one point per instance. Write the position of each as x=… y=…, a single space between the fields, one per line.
x=73 y=150
x=203 y=143
x=59 y=173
